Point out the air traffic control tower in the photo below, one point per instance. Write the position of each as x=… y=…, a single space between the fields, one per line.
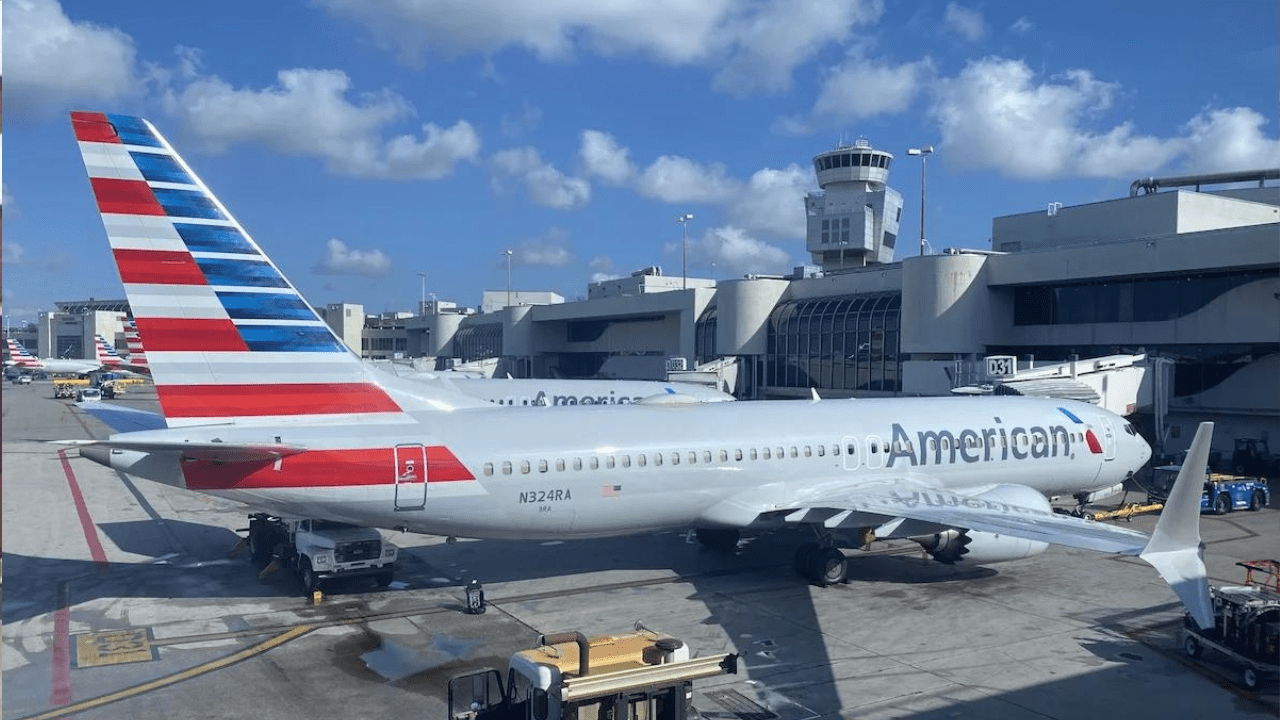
x=853 y=219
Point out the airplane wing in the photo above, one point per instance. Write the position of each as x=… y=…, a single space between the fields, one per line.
x=123 y=419
x=1005 y=509
x=214 y=451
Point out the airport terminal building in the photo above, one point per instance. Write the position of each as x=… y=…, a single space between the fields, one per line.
x=1186 y=269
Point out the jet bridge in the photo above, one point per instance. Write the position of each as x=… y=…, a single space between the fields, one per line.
x=1122 y=384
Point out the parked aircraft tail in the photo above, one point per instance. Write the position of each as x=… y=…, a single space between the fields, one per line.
x=137 y=354
x=228 y=337
x=107 y=354
x=18 y=355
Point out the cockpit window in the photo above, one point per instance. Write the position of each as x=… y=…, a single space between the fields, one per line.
x=1129 y=429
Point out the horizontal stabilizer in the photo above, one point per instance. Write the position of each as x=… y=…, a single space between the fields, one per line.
x=201 y=450
x=1174 y=549
x=123 y=419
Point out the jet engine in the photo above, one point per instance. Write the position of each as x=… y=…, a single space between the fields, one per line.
x=975 y=547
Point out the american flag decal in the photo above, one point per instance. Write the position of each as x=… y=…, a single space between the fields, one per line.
x=611 y=490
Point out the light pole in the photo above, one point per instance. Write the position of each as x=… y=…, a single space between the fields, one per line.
x=423 y=302
x=924 y=153
x=507 y=252
x=684 y=249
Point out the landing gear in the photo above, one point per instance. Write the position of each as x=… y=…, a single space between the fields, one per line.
x=719 y=539
x=821 y=565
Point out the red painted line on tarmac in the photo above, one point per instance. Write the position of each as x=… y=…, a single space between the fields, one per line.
x=86 y=522
x=60 y=690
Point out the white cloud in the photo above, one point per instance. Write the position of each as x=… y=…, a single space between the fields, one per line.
x=862 y=88
x=771 y=42
x=964 y=22
x=676 y=179
x=734 y=252
x=751 y=45
x=604 y=158
x=54 y=63
x=526 y=121
x=1229 y=139
x=346 y=135
x=13 y=252
x=994 y=114
x=1022 y=25
x=550 y=249
x=772 y=202
x=340 y=260
x=545 y=185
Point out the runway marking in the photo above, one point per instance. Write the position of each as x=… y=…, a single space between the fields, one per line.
x=175 y=678
x=114 y=648
x=86 y=522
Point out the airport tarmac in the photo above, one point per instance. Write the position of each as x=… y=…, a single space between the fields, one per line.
x=121 y=601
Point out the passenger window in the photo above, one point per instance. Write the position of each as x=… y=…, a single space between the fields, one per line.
x=560 y=465
x=577 y=463
x=608 y=461
x=753 y=453
x=524 y=467
x=626 y=461
x=657 y=459
x=594 y=463
x=488 y=468
x=765 y=454
x=724 y=456
x=542 y=466
x=675 y=458
x=778 y=453
x=794 y=452
x=706 y=456
x=737 y=454
x=835 y=449
x=693 y=457
x=506 y=467
x=850 y=450
x=822 y=451
x=640 y=461
x=808 y=451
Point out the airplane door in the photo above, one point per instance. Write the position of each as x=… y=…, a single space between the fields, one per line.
x=875 y=452
x=850 y=450
x=1108 y=440
x=411 y=477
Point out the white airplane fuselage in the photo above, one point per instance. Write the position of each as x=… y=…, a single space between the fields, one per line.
x=589 y=472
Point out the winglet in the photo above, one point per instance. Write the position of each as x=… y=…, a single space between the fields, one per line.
x=1174 y=549
x=815 y=394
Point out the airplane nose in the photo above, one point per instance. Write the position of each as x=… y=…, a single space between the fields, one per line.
x=1144 y=450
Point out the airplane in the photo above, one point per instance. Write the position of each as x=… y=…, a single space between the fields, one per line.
x=265 y=405
x=112 y=362
x=544 y=392
x=21 y=358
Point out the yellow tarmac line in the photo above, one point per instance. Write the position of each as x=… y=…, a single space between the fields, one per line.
x=178 y=677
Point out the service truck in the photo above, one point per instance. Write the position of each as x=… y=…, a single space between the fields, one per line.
x=320 y=550
x=1246 y=624
x=640 y=675
x=1222 y=493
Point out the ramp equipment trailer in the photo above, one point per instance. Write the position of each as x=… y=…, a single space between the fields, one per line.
x=1246 y=624
x=634 y=676
x=1222 y=493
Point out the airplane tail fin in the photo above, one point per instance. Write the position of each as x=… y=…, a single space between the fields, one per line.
x=107 y=354
x=137 y=355
x=228 y=337
x=19 y=355
x=1174 y=549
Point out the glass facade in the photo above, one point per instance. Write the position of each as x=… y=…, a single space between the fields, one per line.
x=478 y=342
x=704 y=337
x=1148 y=299
x=838 y=343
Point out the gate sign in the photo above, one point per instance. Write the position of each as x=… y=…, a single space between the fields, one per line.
x=1002 y=366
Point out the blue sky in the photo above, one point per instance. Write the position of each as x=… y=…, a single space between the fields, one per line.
x=361 y=143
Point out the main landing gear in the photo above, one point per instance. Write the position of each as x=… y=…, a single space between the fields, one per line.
x=821 y=564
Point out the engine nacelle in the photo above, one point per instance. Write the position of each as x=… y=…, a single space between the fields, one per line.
x=976 y=547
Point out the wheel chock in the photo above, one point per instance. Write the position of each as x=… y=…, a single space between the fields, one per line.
x=316 y=597
x=270 y=568
x=241 y=544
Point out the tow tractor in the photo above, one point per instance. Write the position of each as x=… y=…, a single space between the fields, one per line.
x=1246 y=623
x=1222 y=493
x=634 y=676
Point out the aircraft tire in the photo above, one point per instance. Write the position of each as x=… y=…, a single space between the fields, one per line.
x=1192 y=646
x=383 y=579
x=1256 y=501
x=719 y=539
x=1222 y=504
x=830 y=567
x=804 y=559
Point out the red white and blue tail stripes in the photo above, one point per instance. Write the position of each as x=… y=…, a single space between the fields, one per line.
x=228 y=337
x=19 y=356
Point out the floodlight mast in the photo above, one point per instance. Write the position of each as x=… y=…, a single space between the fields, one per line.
x=684 y=249
x=924 y=153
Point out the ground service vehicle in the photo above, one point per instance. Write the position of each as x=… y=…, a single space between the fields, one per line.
x=1246 y=627
x=634 y=676
x=1254 y=457
x=69 y=387
x=320 y=550
x=1222 y=493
